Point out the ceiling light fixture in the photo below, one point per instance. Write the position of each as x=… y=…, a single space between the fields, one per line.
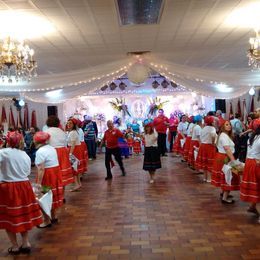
x=253 y=53
x=16 y=61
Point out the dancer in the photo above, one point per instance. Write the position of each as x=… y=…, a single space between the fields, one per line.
x=207 y=148
x=161 y=123
x=182 y=132
x=111 y=141
x=76 y=150
x=195 y=140
x=49 y=174
x=59 y=142
x=186 y=146
x=19 y=210
x=151 y=154
x=250 y=185
x=226 y=149
x=173 y=120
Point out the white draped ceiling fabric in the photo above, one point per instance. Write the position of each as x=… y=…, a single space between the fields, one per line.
x=203 y=81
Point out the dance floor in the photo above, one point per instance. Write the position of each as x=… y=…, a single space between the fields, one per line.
x=177 y=217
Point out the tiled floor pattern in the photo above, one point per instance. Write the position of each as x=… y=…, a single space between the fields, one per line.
x=177 y=217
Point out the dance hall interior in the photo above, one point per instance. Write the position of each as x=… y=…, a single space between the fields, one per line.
x=130 y=129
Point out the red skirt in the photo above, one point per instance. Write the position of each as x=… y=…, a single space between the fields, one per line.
x=19 y=210
x=218 y=177
x=65 y=166
x=85 y=155
x=191 y=159
x=177 y=145
x=130 y=142
x=79 y=155
x=205 y=157
x=53 y=178
x=186 y=148
x=250 y=185
x=137 y=147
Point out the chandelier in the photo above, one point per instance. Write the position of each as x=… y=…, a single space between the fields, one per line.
x=254 y=52
x=16 y=61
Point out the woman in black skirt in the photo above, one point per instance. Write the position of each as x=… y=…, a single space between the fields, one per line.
x=152 y=159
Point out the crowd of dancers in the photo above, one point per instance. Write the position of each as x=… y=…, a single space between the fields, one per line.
x=61 y=157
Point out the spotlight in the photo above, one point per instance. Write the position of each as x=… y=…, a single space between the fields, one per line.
x=252 y=91
x=21 y=103
x=155 y=84
x=104 y=88
x=165 y=83
x=113 y=86
x=174 y=85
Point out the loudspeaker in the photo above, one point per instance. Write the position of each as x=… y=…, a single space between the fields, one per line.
x=220 y=104
x=52 y=111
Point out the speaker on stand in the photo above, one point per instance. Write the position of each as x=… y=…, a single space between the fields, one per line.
x=52 y=111
x=220 y=104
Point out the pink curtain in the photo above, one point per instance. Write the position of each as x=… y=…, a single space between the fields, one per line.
x=3 y=116
x=230 y=110
x=19 y=123
x=239 y=107
x=11 y=118
x=244 y=111
x=252 y=107
x=26 y=117
x=33 y=119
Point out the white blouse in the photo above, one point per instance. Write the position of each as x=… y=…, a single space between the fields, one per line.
x=190 y=129
x=253 y=152
x=81 y=134
x=182 y=127
x=58 y=137
x=196 y=133
x=47 y=155
x=225 y=140
x=73 y=137
x=207 y=133
x=15 y=165
x=151 y=140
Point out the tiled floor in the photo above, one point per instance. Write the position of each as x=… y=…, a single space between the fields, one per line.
x=177 y=217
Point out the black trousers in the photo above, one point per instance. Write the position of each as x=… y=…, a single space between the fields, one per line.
x=173 y=135
x=108 y=158
x=161 y=143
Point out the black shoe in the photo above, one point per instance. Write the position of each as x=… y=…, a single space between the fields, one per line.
x=54 y=221
x=45 y=226
x=12 y=251
x=229 y=196
x=108 y=178
x=164 y=155
x=123 y=173
x=25 y=250
x=227 y=201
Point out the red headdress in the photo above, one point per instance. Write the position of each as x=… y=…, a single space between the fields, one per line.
x=209 y=120
x=13 y=139
x=41 y=137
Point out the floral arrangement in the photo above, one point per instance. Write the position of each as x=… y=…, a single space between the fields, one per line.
x=100 y=117
x=119 y=105
x=155 y=105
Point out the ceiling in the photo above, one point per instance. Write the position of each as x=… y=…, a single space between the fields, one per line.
x=190 y=33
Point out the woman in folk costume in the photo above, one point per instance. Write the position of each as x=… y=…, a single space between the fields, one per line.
x=226 y=149
x=49 y=173
x=152 y=159
x=186 y=146
x=182 y=132
x=75 y=149
x=59 y=142
x=195 y=140
x=250 y=185
x=84 y=148
x=19 y=210
x=207 y=149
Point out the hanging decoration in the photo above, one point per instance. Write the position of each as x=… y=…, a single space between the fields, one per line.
x=155 y=105
x=33 y=119
x=26 y=117
x=138 y=73
x=119 y=105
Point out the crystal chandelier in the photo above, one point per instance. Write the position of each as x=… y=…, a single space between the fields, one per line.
x=254 y=52
x=16 y=61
